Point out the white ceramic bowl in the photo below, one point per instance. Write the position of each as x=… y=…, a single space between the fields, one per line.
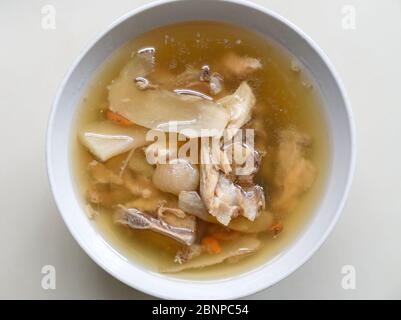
x=243 y=14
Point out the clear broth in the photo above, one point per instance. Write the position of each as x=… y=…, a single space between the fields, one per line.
x=284 y=96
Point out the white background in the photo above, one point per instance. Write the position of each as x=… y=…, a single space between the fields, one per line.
x=32 y=233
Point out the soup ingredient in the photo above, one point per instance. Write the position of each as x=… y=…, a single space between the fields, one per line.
x=143 y=84
x=105 y=139
x=202 y=80
x=171 y=208
x=193 y=93
x=209 y=175
x=225 y=206
x=241 y=158
x=170 y=112
x=213 y=78
x=176 y=176
x=165 y=111
x=211 y=244
x=153 y=203
x=115 y=117
x=176 y=227
x=230 y=200
x=262 y=223
x=191 y=202
x=107 y=195
x=224 y=199
x=238 y=66
x=239 y=105
x=140 y=185
x=102 y=174
x=229 y=249
x=188 y=253
x=139 y=165
x=294 y=174
x=160 y=152
x=251 y=200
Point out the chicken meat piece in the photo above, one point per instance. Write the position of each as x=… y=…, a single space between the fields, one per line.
x=239 y=105
x=294 y=173
x=238 y=66
x=231 y=201
x=251 y=201
x=242 y=157
x=223 y=199
x=191 y=203
x=225 y=204
x=209 y=175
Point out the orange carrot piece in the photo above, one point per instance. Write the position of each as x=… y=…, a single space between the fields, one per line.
x=115 y=117
x=211 y=244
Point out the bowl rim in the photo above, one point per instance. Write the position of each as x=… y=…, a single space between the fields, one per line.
x=349 y=116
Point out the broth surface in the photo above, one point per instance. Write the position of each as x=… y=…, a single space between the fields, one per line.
x=286 y=97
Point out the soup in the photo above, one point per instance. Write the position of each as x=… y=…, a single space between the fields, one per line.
x=200 y=149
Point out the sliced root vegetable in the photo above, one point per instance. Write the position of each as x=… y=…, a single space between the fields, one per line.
x=106 y=139
x=229 y=249
x=164 y=110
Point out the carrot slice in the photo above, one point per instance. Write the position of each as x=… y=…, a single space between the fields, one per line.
x=211 y=244
x=115 y=117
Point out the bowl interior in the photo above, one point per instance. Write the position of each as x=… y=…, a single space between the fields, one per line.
x=145 y=19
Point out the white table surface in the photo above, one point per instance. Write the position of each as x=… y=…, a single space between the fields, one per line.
x=32 y=233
